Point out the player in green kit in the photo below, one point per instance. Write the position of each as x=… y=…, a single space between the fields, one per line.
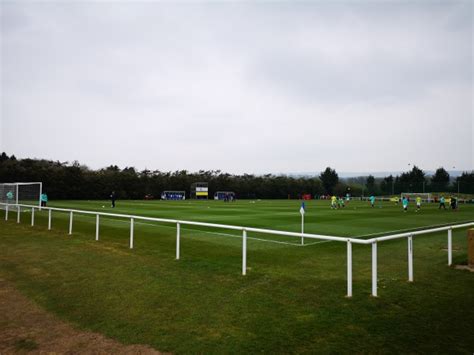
x=442 y=203
x=418 y=203
x=44 y=199
x=372 y=200
x=405 y=203
x=341 y=202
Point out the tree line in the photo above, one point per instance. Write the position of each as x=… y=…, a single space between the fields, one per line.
x=64 y=180
x=416 y=180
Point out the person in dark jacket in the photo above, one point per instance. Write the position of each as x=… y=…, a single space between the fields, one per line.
x=113 y=198
x=454 y=203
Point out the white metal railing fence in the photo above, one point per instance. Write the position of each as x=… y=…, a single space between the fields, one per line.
x=349 y=241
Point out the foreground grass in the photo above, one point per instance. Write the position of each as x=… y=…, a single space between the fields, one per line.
x=292 y=299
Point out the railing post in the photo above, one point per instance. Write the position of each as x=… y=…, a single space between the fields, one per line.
x=32 y=216
x=410 y=258
x=49 y=219
x=131 y=233
x=244 y=252
x=349 y=268
x=178 y=236
x=97 y=227
x=70 y=223
x=450 y=246
x=18 y=212
x=374 y=269
x=6 y=213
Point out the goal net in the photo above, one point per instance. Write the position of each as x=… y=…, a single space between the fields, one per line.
x=23 y=193
x=425 y=197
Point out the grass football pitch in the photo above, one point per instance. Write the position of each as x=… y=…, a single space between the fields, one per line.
x=292 y=299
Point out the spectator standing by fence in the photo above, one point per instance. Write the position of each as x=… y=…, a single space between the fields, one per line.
x=44 y=199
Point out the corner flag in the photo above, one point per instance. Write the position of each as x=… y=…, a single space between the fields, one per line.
x=302 y=211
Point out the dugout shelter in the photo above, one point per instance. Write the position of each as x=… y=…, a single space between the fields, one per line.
x=173 y=195
x=224 y=196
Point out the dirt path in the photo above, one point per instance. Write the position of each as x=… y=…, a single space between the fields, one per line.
x=25 y=327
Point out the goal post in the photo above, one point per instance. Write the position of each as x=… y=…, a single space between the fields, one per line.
x=425 y=196
x=23 y=193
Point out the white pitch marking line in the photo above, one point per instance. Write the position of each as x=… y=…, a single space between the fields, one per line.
x=220 y=233
x=411 y=229
x=313 y=243
x=292 y=244
x=215 y=233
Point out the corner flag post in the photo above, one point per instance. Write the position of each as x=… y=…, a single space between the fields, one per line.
x=302 y=211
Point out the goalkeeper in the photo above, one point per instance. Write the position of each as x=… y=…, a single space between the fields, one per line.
x=9 y=197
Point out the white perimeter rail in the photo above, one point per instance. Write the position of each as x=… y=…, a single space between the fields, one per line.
x=349 y=241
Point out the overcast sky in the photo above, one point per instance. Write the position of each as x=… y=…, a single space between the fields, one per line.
x=241 y=87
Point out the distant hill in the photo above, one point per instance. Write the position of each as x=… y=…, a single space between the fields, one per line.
x=377 y=174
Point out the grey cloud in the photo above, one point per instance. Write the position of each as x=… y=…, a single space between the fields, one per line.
x=244 y=87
